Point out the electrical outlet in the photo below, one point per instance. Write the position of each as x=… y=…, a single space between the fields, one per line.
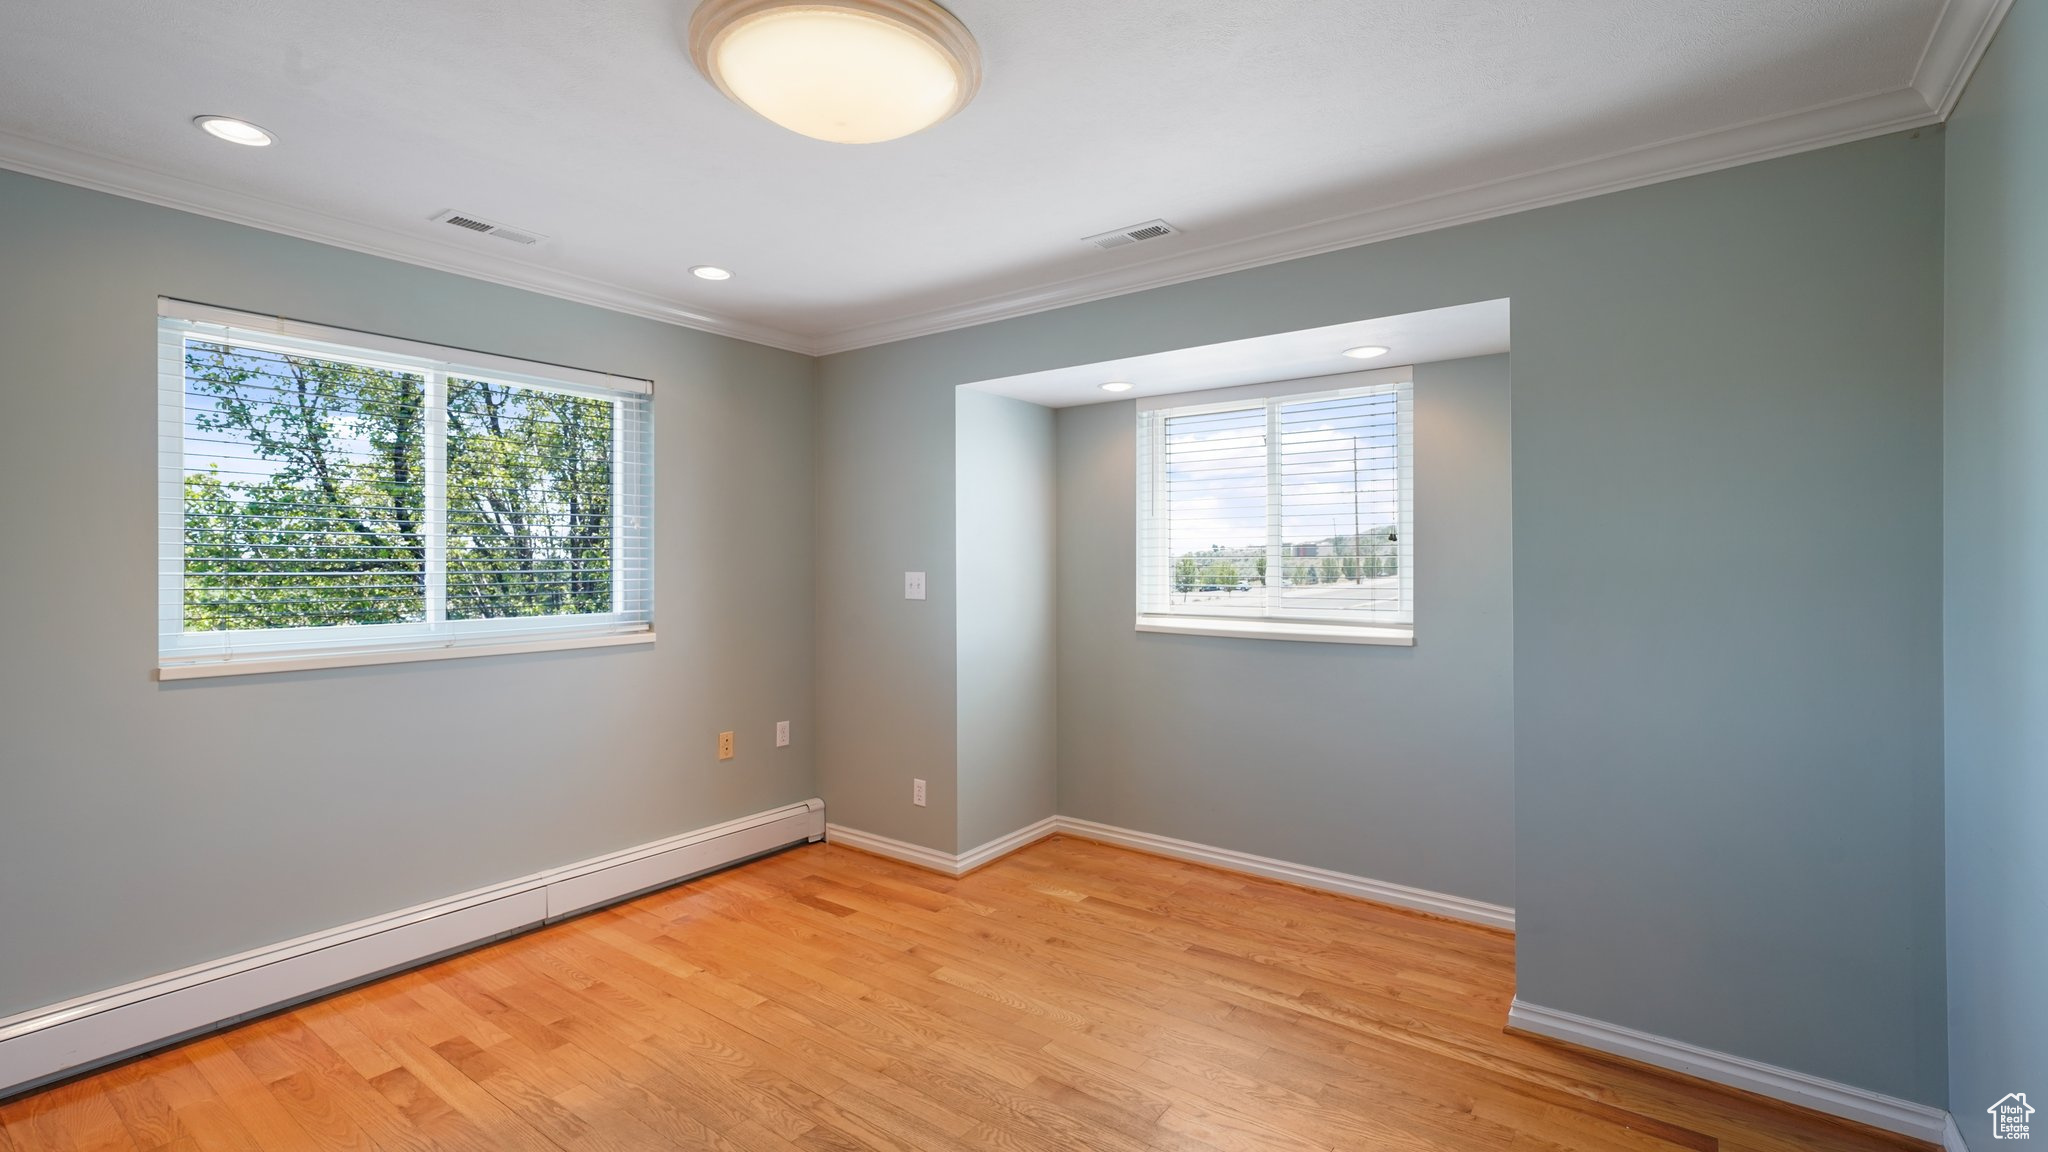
x=917 y=793
x=913 y=585
x=725 y=745
x=782 y=733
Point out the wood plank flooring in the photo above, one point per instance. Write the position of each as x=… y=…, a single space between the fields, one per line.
x=1071 y=996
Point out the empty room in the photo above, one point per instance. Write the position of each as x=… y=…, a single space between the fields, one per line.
x=1124 y=575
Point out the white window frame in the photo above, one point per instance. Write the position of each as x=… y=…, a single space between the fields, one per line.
x=186 y=655
x=1156 y=611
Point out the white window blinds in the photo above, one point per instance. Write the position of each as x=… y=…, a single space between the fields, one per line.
x=324 y=491
x=1290 y=503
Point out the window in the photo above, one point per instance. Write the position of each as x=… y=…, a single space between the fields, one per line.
x=330 y=497
x=1281 y=510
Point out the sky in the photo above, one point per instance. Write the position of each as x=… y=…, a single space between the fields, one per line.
x=1216 y=490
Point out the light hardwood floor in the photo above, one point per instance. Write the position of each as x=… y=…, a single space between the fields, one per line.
x=1072 y=996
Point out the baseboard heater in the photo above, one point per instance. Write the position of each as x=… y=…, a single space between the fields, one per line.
x=47 y=1044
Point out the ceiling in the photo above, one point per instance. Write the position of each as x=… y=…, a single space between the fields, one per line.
x=1264 y=129
x=1479 y=329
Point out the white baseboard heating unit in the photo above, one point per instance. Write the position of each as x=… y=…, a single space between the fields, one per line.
x=47 y=1044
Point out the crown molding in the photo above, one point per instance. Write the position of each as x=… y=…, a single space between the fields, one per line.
x=1960 y=36
x=120 y=178
x=1821 y=127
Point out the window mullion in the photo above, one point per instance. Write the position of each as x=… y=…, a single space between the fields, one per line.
x=437 y=498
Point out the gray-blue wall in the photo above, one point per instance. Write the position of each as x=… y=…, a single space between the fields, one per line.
x=1726 y=484
x=1995 y=526
x=146 y=826
x=1393 y=763
x=887 y=692
x=1008 y=719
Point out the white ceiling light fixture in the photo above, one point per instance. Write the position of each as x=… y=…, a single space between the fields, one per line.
x=844 y=71
x=234 y=131
x=710 y=272
x=1366 y=352
x=1117 y=386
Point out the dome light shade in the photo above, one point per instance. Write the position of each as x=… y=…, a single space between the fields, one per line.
x=845 y=71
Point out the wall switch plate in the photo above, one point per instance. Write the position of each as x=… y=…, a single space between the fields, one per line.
x=782 y=733
x=917 y=793
x=913 y=585
x=725 y=745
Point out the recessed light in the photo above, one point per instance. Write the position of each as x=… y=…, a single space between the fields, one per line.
x=1365 y=352
x=846 y=71
x=1117 y=386
x=234 y=131
x=710 y=272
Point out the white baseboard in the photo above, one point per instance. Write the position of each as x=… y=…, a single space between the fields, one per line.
x=45 y=1044
x=946 y=863
x=1380 y=891
x=1850 y=1103
x=1951 y=1136
x=1002 y=846
x=909 y=853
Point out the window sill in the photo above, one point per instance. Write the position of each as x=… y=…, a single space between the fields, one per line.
x=304 y=661
x=1279 y=630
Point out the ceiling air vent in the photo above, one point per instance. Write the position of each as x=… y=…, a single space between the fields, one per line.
x=1149 y=230
x=489 y=228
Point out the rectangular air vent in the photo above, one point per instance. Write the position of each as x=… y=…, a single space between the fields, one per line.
x=1149 y=230
x=489 y=228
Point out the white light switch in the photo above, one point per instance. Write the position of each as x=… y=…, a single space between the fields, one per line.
x=782 y=733
x=913 y=585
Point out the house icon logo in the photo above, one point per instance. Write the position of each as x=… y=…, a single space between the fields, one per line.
x=2009 y=1117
